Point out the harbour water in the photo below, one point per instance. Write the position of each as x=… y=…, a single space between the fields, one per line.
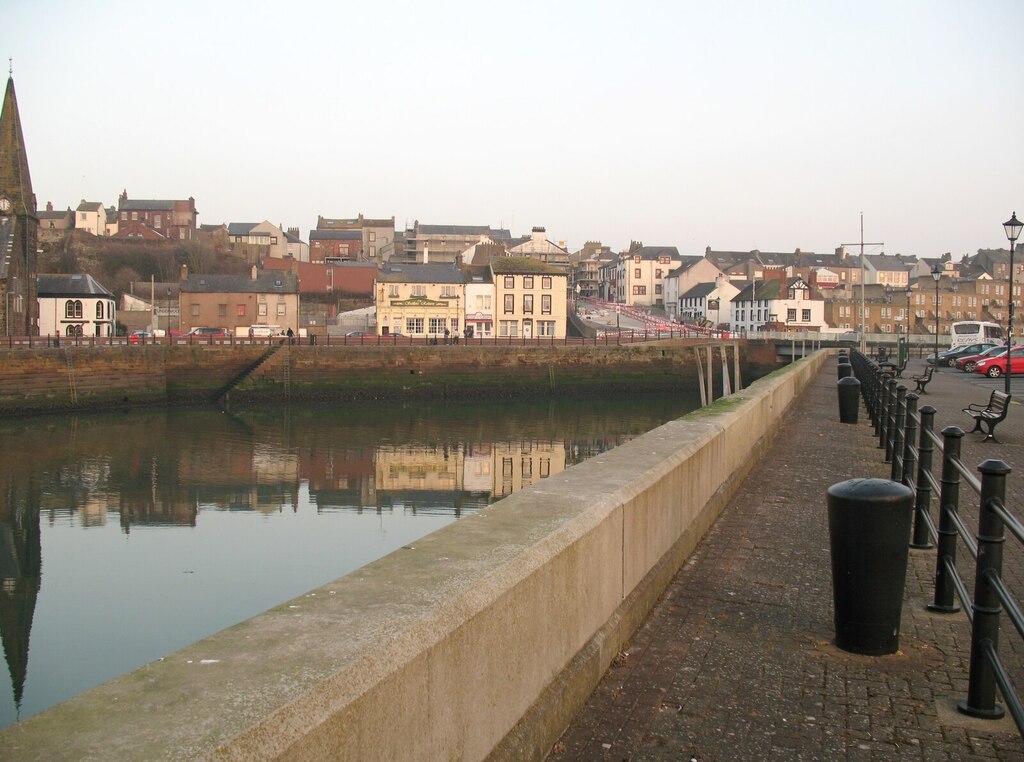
x=124 y=537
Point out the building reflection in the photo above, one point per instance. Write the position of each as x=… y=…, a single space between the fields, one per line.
x=165 y=469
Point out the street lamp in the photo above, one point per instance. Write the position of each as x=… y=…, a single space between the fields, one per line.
x=936 y=274
x=1012 y=227
x=909 y=294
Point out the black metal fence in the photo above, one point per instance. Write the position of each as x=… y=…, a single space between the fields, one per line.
x=911 y=445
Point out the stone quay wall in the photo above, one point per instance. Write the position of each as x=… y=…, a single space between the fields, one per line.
x=109 y=377
x=479 y=641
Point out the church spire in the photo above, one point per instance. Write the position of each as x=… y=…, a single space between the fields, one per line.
x=15 y=181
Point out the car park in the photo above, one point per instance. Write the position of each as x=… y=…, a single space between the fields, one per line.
x=967 y=363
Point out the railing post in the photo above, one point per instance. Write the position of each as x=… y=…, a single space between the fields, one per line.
x=924 y=486
x=981 y=690
x=894 y=444
x=909 y=471
x=888 y=392
x=944 y=599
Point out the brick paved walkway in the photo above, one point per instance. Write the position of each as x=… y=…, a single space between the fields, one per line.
x=736 y=661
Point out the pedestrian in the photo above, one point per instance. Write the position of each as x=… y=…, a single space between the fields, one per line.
x=290 y=333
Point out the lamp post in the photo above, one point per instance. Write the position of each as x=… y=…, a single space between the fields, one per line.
x=936 y=274
x=1012 y=227
x=168 y=312
x=909 y=293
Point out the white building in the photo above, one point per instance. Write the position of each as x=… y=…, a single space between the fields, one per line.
x=708 y=303
x=640 y=275
x=785 y=304
x=91 y=217
x=74 y=305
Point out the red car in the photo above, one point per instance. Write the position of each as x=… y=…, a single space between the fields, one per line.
x=967 y=363
x=994 y=367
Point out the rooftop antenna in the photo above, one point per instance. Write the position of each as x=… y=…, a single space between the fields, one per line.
x=10 y=66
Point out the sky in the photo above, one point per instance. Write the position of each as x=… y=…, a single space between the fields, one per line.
x=734 y=125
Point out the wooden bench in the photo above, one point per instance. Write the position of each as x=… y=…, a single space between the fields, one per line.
x=923 y=380
x=989 y=415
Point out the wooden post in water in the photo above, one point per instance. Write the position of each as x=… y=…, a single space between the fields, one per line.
x=700 y=378
x=726 y=386
x=736 y=366
x=711 y=378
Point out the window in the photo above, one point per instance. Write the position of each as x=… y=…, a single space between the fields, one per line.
x=273 y=240
x=222 y=310
x=69 y=309
x=124 y=216
x=455 y=325
x=657 y=288
x=414 y=325
x=240 y=310
x=195 y=310
x=636 y=272
x=805 y=316
x=545 y=304
x=510 y=281
x=437 y=325
x=637 y=259
x=657 y=273
x=545 y=282
x=156 y=221
x=419 y=290
x=99 y=310
x=135 y=215
x=527 y=281
x=508 y=327
x=639 y=290
x=393 y=291
x=528 y=304
x=545 y=327
x=81 y=216
x=281 y=312
x=261 y=309
x=510 y=303
x=791 y=314
x=373 y=236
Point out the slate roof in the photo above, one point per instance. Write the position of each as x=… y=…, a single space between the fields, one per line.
x=699 y=291
x=335 y=235
x=55 y=215
x=6 y=243
x=291 y=237
x=655 y=252
x=90 y=206
x=523 y=265
x=141 y=204
x=241 y=228
x=69 y=285
x=499 y=234
x=266 y=282
x=429 y=273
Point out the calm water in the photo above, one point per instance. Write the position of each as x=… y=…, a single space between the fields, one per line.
x=125 y=537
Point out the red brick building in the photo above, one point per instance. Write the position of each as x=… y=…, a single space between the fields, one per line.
x=168 y=218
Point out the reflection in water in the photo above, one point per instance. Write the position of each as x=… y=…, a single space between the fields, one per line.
x=265 y=503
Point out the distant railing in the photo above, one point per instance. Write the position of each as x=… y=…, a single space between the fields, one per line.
x=910 y=443
x=605 y=338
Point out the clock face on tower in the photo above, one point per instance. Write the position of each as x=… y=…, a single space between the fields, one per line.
x=5 y=204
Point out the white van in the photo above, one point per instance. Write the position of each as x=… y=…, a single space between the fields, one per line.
x=260 y=331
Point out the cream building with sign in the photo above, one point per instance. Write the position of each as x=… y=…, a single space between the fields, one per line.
x=420 y=301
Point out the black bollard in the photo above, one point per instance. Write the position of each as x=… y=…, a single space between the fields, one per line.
x=869 y=532
x=844 y=369
x=849 y=399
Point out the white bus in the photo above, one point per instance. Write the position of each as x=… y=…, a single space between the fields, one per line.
x=974 y=332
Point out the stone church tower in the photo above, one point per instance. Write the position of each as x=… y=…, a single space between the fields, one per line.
x=19 y=227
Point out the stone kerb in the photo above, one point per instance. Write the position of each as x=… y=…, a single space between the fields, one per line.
x=479 y=640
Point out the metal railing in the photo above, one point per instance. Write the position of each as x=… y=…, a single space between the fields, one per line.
x=607 y=338
x=907 y=436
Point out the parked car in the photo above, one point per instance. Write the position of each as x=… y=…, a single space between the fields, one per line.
x=357 y=334
x=208 y=333
x=994 y=367
x=950 y=356
x=967 y=363
x=263 y=331
x=139 y=337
